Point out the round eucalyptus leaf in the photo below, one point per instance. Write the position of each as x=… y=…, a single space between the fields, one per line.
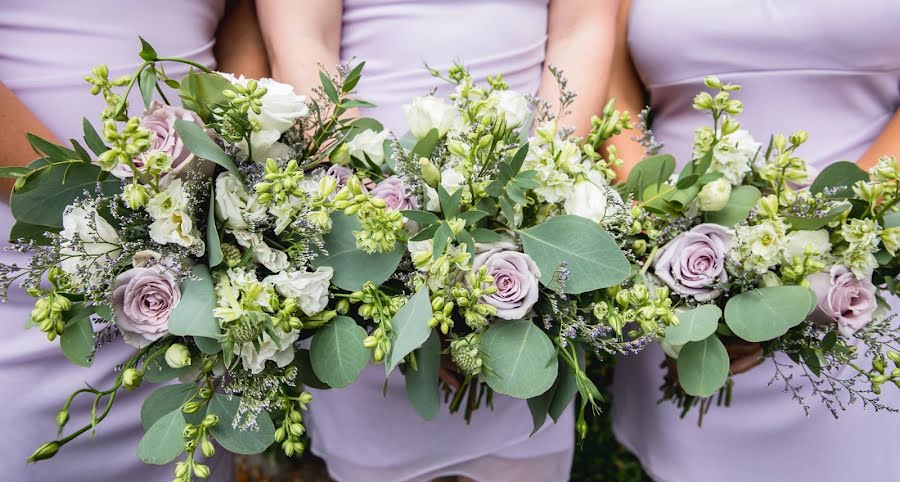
x=337 y=353
x=703 y=366
x=694 y=325
x=519 y=358
x=767 y=313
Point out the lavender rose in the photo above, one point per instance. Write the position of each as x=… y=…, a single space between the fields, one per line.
x=694 y=262
x=843 y=298
x=143 y=299
x=396 y=194
x=160 y=119
x=515 y=276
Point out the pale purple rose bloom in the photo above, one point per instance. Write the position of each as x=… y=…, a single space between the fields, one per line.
x=160 y=119
x=396 y=194
x=515 y=276
x=694 y=262
x=842 y=298
x=143 y=299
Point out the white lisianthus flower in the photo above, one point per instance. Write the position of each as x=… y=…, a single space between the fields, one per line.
x=87 y=240
x=429 y=112
x=369 y=143
x=451 y=181
x=273 y=259
x=512 y=105
x=309 y=288
x=239 y=291
x=732 y=156
x=172 y=224
x=760 y=246
x=593 y=199
x=714 y=196
x=797 y=242
x=235 y=206
x=557 y=164
x=254 y=360
x=281 y=107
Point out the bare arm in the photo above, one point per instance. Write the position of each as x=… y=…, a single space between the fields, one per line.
x=626 y=88
x=239 y=45
x=17 y=120
x=580 y=36
x=299 y=36
x=887 y=144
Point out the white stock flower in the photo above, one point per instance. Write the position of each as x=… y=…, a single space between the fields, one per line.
x=759 y=246
x=254 y=360
x=273 y=259
x=172 y=224
x=733 y=155
x=429 y=112
x=281 y=107
x=310 y=288
x=796 y=243
x=369 y=143
x=714 y=196
x=593 y=199
x=89 y=240
x=239 y=291
x=235 y=206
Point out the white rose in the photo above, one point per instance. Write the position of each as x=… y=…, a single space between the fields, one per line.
x=309 y=288
x=369 y=143
x=254 y=360
x=593 y=199
x=273 y=259
x=88 y=240
x=235 y=206
x=513 y=105
x=452 y=180
x=429 y=112
x=714 y=196
x=796 y=243
x=281 y=107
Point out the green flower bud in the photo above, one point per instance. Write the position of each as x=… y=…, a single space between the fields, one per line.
x=201 y=471
x=306 y=398
x=703 y=101
x=61 y=418
x=623 y=298
x=192 y=407
x=894 y=356
x=178 y=356
x=45 y=451
x=210 y=420
x=430 y=172
x=207 y=448
x=131 y=379
x=639 y=247
x=279 y=434
x=181 y=470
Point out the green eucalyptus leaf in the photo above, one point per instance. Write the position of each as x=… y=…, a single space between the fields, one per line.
x=32 y=232
x=305 y=373
x=198 y=141
x=163 y=441
x=82 y=153
x=48 y=191
x=483 y=235
x=741 y=202
x=591 y=255
x=694 y=325
x=164 y=400
x=352 y=77
x=207 y=345
x=77 y=341
x=201 y=91
x=425 y=146
x=337 y=353
x=193 y=315
x=422 y=383
x=410 y=328
x=703 y=366
x=213 y=243
x=838 y=178
x=51 y=151
x=811 y=224
x=539 y=407
x=654 y=170
x=520 y=360
x=767 y=313
x=239 y=440
x=352 y=266
x=158 y=371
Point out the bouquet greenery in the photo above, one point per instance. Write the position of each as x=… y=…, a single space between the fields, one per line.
x=754 y=250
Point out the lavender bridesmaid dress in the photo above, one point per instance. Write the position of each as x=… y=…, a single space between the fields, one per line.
x=362 y=434
x=832 y=69
x=46 y=48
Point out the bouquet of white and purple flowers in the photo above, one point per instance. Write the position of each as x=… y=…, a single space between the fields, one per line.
x=189 y=232
x=755 y=251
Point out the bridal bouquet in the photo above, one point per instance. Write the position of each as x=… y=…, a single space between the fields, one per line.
x=754 y=250
x=194 y=233
x=497 y=251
